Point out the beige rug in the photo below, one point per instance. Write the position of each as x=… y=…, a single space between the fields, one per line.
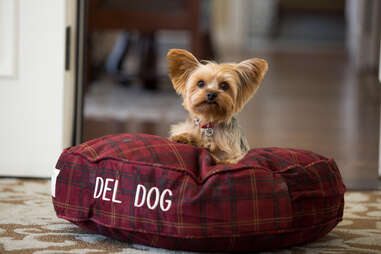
x=28 y=225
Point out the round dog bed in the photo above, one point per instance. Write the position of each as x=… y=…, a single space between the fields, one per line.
x=148 y=190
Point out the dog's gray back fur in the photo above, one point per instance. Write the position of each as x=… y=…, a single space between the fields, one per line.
x=233 y=130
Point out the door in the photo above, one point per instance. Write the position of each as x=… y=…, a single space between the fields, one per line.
x=36 y=92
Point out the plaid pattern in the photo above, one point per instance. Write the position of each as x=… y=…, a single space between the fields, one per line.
x=272 y=198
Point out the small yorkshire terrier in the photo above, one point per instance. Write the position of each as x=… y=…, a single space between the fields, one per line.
x=212 y=94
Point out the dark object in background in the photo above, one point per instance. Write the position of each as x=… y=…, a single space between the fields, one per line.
x=146 y=17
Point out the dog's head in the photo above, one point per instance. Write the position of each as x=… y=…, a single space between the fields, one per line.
x=214 y=91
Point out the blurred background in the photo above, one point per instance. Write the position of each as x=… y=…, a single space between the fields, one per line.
x=321 y=92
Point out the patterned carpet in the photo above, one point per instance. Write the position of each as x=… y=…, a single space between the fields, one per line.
x=28 y=225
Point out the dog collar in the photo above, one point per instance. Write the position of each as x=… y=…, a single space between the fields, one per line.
x=207 y=126
x=207 y=129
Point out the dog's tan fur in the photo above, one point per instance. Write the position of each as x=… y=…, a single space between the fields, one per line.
x=228 y=144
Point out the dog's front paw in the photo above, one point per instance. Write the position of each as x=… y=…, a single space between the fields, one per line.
x=227 y=159
x=231 y=161
x=184 y=138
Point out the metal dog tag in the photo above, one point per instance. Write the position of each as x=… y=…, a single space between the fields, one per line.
x=209 y=132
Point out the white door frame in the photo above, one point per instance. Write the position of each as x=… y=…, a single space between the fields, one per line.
x=70 y=72
x=379 y=133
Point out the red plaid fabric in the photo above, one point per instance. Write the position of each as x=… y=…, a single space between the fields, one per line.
x=272 y=198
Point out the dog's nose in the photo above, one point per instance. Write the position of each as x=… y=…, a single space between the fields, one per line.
x=211 y=96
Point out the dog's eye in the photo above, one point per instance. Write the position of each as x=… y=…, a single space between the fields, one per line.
x=224 y=85
x=201 y=83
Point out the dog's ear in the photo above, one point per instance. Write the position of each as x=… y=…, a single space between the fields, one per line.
x=251 y=73
x=180 y=64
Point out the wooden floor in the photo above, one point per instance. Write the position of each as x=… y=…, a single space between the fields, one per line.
x=310 y=101
x=316 y=102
